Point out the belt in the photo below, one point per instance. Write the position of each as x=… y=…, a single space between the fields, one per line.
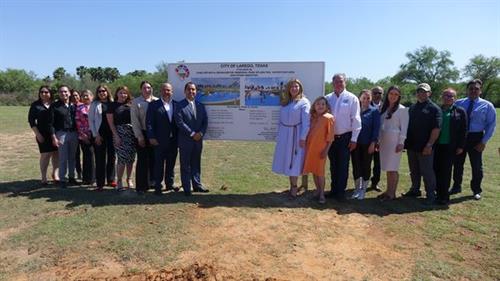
x=342 y=135
x=294 y=145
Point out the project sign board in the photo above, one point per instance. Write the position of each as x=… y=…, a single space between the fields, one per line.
x=243 y=99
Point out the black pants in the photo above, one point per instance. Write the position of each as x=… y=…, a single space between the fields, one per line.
x=376 y=168
x=88 y=167
x=105 y=161
x=476 y=162
x=339 y=156
x=78 y=160
x=165 y=156
x=444 y=154
x=361 y=162
x=144 y=171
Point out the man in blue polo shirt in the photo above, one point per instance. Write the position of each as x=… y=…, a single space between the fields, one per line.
x=481 y=117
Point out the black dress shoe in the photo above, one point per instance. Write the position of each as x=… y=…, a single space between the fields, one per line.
x=158 y=192
x=200 y=189
x=174 y=188
x=455 y=190
x=62 y=184
x=412 y=193
x=187 y=193
x=376 y=188
x=72 y=181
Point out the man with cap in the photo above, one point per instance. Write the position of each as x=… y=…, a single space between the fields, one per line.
x=423 y=131
x=481 y=117
x=377 y=97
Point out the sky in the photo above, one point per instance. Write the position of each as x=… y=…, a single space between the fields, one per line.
x=360 y=38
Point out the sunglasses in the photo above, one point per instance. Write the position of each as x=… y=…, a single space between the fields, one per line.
x=102 y=91
x=44 y=92
x=448 y=96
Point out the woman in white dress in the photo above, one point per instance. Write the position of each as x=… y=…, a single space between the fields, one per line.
x=394 y=124
x=292 y=132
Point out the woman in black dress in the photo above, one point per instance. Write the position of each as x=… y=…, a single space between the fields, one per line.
x=38 y=117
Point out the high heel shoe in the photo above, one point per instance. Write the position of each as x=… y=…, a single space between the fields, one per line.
x=293 y=191
x=130 y=184
x=119 y=186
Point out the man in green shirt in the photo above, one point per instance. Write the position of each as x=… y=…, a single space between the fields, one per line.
x=451 y=142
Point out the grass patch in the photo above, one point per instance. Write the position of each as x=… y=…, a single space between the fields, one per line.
x=458 y=243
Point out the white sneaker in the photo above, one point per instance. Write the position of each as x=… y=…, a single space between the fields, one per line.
x=477 y=196
x=362 y=191
x=355 y=194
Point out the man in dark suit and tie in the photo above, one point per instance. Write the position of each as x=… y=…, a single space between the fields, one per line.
x=192 y=120
x=162 y=134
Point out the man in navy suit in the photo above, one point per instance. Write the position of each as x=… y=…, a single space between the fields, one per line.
x=162 y=134
x=191 y=118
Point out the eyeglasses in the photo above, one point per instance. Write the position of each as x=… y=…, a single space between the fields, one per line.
x=448 y=96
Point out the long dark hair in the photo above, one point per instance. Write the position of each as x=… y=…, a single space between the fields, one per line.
x=48 y=89
x=109 y=97
x=385 y=106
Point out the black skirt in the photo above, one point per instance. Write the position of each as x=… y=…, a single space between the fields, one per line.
x=46 y=145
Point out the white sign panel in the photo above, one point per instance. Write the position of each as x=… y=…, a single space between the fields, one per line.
x=243 y=99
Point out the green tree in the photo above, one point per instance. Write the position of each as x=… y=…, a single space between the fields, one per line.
x=355 y=85
x=110 y=74
x=18 y=87
x=428 y=65
x=486 y=69
x=162 y=69
x=59 y=73
x=138 y=73
x=81 y=71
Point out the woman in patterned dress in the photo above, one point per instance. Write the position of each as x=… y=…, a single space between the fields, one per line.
x=118 y=117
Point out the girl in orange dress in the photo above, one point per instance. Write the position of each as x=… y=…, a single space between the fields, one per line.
x=319 y=139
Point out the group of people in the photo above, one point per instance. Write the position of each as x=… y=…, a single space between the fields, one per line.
x=370 y=128
x=112 y=130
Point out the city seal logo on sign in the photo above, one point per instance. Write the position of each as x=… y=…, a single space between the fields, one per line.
x=182 y=71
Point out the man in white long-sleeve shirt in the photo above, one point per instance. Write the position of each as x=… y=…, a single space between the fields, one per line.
x=345 y=108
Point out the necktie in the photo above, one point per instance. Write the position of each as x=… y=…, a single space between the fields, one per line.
x=194 y=109
x=469 y=111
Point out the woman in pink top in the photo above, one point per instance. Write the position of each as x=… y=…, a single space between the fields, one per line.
x=85 y=137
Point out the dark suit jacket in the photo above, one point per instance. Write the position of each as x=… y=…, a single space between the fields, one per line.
x=184 y=117
x=158 y=125
x=458 y=127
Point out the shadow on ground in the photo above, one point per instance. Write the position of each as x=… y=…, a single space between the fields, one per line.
x=81 y=195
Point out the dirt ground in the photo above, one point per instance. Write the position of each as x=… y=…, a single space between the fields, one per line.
x=245 y=243
x=279 y=244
